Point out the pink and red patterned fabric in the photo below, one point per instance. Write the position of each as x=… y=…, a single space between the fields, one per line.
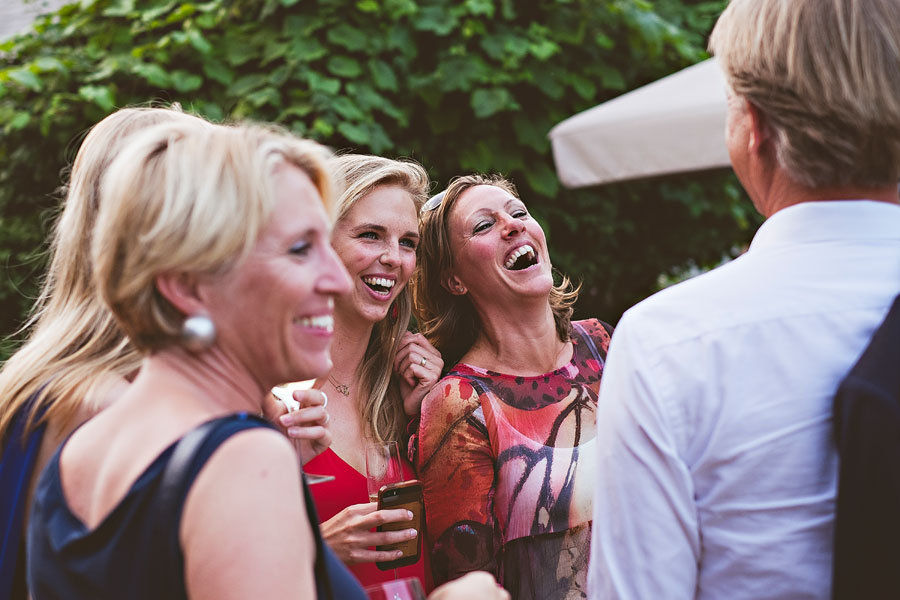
x=507 y=465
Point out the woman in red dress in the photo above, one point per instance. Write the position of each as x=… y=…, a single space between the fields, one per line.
x=381 y=371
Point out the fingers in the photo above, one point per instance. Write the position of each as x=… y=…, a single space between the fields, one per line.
x=419 y=375
x=417 y=363
x=308 y=423
x=363 y=555
x=349 y=533
x=383 y=538
x=311 y=397
x=272 y=408
x=358 y=509
x=381 y=517
x=364 y=523
x=305 y=417
x=317 y=433
x=415 y=344
x=312 y=410
x=416 y=354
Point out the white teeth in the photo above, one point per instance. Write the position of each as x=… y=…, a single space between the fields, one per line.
x=388 y=283
x=526 y=249
x=325 y=322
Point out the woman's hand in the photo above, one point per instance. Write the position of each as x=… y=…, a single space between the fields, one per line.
x=477 y=584
x=348 y=533
x=418 y=366
x=308 y=424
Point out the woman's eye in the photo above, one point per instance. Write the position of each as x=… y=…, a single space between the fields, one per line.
x=369 y=235
x=301 y=249
x=518 y=214
x=482 y=226
x=408 y=243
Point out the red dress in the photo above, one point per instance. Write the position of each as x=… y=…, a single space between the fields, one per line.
x=348 y=488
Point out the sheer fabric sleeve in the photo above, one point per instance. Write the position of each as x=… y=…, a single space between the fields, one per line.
x=456 y=467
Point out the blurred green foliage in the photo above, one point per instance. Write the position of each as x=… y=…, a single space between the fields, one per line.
x=460 y=85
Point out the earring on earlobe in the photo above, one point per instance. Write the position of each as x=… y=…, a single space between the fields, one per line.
x=198 y=333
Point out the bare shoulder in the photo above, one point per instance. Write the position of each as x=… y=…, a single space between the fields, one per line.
x=244 y=517
x=245 y=464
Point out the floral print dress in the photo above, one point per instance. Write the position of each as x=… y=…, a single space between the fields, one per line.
x=508 y=471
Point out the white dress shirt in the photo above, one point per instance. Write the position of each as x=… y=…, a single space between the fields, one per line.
x=717 y=469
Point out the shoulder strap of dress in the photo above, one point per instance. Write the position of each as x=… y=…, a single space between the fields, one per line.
x=187 y=458
x=179 y=465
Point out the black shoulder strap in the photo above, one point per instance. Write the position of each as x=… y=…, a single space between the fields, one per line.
x=164 y=512
x=178 y=466
x=170 y=491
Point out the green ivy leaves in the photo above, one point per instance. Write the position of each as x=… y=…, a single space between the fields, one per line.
x=486 y=102
x=460 y=85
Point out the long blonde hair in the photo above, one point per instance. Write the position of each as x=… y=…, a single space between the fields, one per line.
x=73 y=340
x=382 y=408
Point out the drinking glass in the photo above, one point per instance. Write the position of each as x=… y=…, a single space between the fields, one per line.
x=382 y=467
x=285 y=393
x=408 y=588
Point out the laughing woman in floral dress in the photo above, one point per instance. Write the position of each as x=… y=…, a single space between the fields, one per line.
x=504 y=437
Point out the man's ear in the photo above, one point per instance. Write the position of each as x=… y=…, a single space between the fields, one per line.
x=181 y=290
x=760 y=132
x=453 y=285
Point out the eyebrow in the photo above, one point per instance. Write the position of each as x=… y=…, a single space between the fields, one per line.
x=484 y=210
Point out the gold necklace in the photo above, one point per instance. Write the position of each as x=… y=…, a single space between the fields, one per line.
x=340 y=387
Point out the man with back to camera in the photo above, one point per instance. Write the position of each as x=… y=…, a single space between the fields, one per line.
x=717 y=468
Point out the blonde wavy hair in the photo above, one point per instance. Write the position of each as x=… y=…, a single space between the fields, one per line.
x=825 y=76
x=449 y=321
x=183 y=198
x=73 y=340
x=382 y=409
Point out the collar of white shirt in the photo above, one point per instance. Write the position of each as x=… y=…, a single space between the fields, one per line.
x=811 y=222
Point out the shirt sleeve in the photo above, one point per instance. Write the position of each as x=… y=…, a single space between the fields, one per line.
x=645 y=539
x=456 y=467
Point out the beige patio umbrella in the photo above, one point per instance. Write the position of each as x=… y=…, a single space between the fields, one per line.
x=672 y=125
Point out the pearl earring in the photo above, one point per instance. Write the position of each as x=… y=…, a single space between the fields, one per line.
x=198 y=333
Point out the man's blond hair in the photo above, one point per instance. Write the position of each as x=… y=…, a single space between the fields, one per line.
x=825 y=74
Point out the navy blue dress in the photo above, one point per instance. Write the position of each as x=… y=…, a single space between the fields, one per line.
x=135 y=552
x=16 y=467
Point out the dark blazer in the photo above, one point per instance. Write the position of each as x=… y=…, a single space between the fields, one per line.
x=867 y=431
